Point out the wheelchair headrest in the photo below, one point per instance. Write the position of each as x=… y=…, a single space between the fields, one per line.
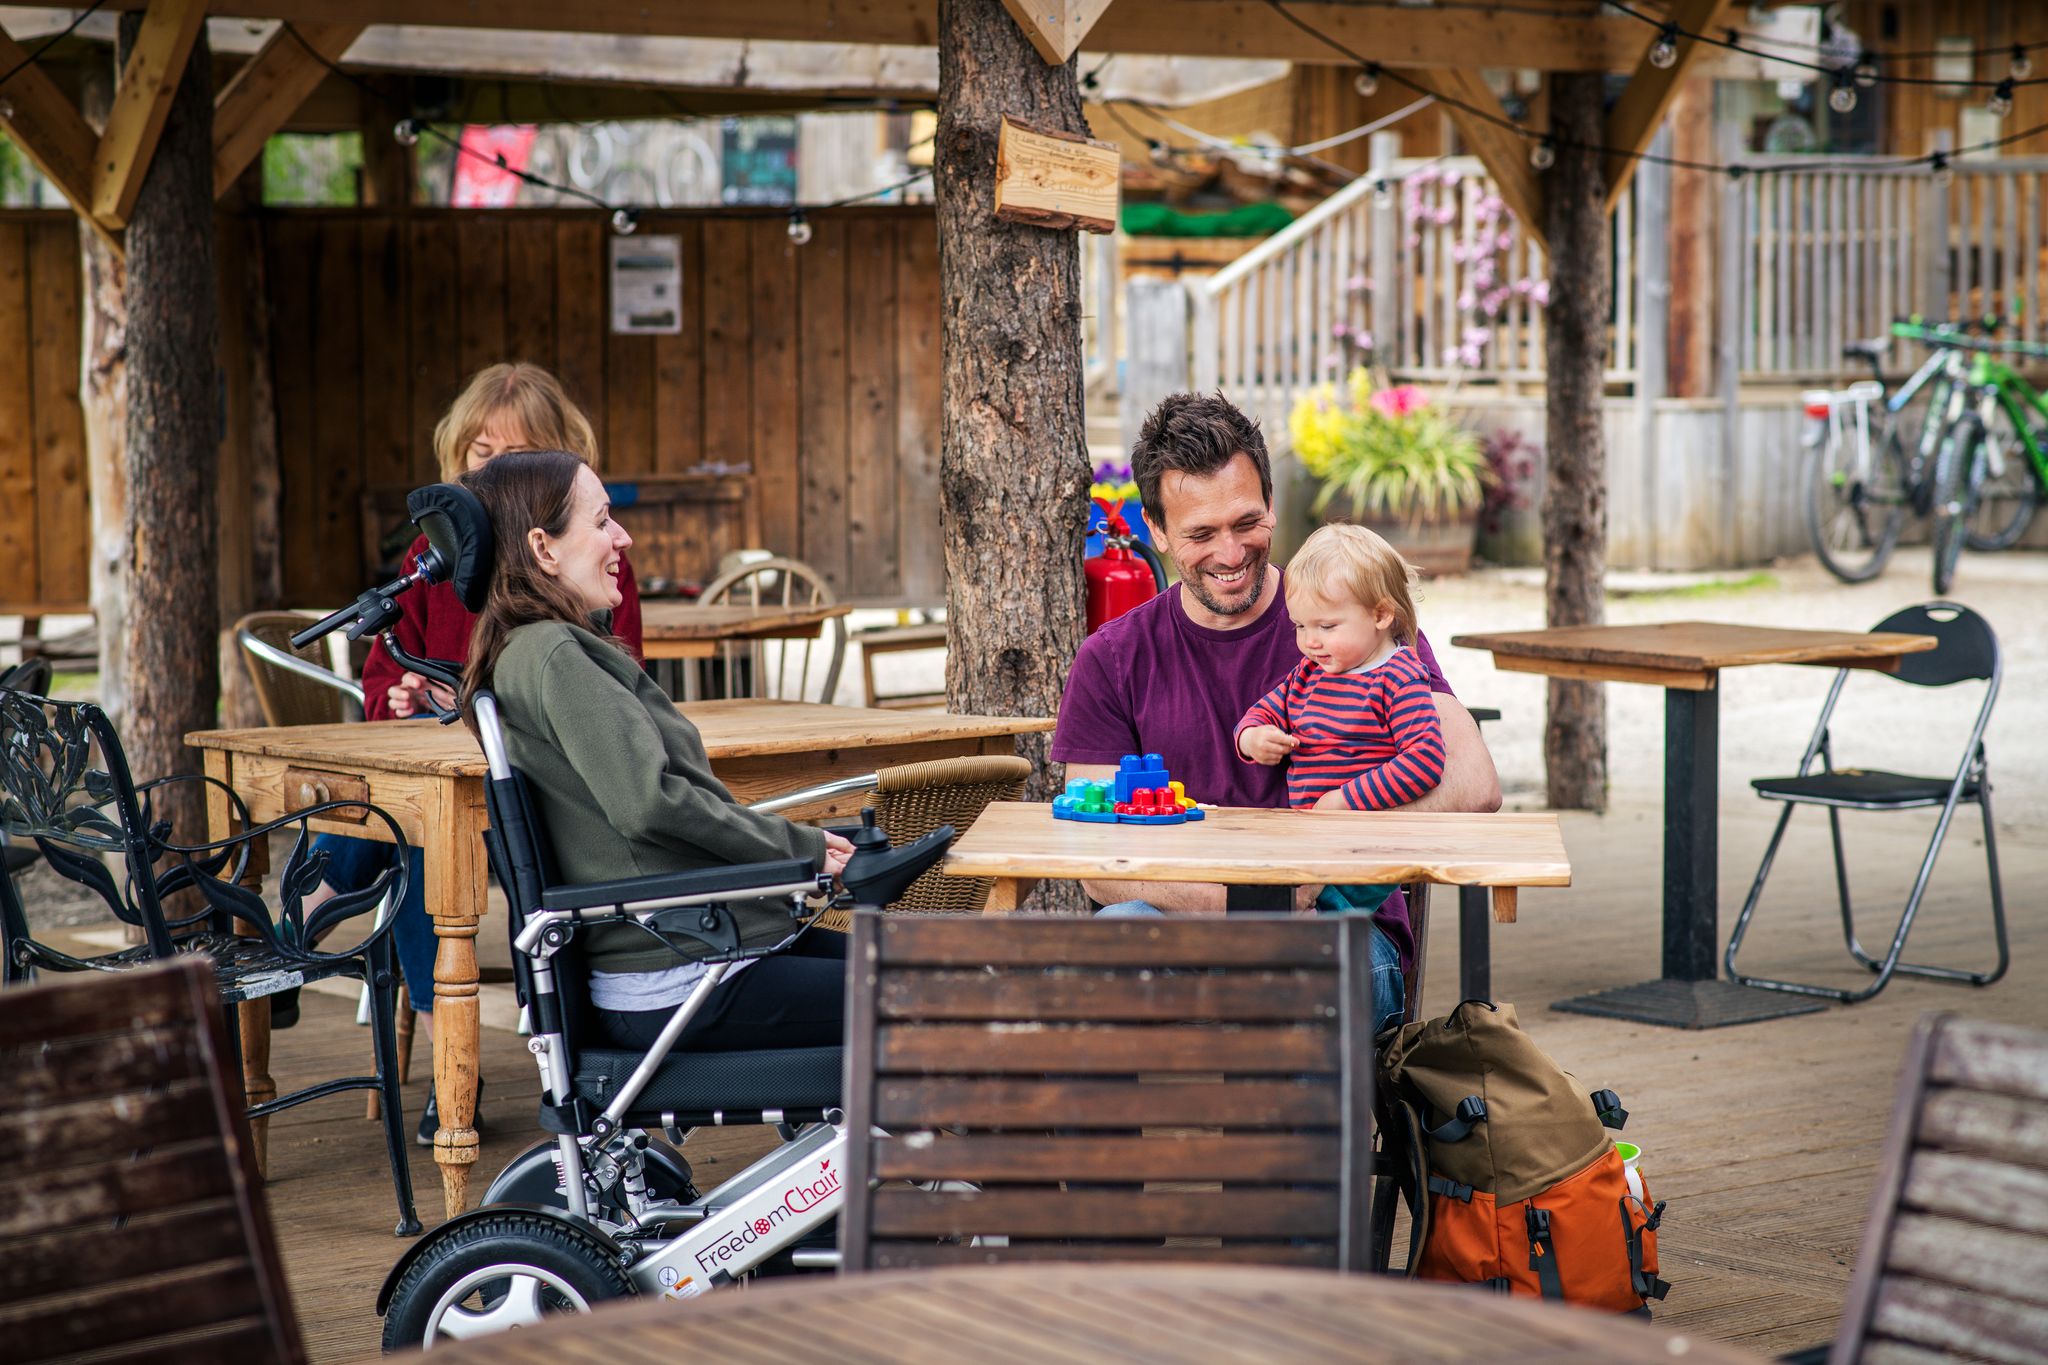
x=459 y=530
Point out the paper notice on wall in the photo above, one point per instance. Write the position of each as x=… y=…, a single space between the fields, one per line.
x=647 y=284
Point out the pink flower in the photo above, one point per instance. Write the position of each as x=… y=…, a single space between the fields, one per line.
x=1539 y=292
x=1361 y=339
x=1340 y=330
x=1358 y=284
x=1398 y=401
x=1467 y=301
x=1446 y=215
x=1332 y=359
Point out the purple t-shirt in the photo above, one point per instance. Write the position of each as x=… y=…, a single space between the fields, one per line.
x=1154 y=682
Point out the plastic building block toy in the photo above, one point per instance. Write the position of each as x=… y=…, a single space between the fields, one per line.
x=1141 y=795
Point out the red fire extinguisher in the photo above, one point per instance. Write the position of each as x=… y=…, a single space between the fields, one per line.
x=1127 y=574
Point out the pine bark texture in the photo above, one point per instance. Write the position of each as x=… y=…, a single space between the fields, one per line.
x=171 y=667
x=103 y=392
x=1014 y=450
x=1575 y=493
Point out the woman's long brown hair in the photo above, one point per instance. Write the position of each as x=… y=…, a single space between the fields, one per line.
x=521 y=490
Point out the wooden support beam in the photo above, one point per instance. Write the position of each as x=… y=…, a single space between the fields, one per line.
x=1056 y=27
x=1504 y=153
x=148 y=81
x=1647 y=98
x=267 y=91
x=43 y=123
x=1420 y=37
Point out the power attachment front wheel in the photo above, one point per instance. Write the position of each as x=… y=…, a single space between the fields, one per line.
x=509 y=1270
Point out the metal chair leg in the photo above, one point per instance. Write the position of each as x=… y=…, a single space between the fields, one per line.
x=383 y=1039
x=1749 y=904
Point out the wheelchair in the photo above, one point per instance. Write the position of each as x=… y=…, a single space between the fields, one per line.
x=607 y=1208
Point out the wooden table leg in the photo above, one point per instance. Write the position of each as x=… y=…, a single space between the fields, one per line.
x=252 y=1016
x=456 y=884
x=1009 y=893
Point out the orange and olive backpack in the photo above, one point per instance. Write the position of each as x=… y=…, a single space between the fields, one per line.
x=1509 y=1173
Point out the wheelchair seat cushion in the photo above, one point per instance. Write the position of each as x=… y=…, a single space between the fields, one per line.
x=1861 y=787
x=699 y=1082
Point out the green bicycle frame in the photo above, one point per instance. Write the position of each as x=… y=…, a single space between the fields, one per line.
x=2017 y=399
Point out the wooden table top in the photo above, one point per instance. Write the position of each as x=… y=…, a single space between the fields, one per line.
x=671 y=621
x=1270 y=848
x=1696 y=646
x=1127 y=1312
x=731 y=729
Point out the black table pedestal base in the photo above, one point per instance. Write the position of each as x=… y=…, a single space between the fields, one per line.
x=1691 y=1004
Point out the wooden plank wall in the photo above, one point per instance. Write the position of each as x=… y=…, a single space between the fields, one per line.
x=1912 y=113
x=818 y=366
x=44 y=530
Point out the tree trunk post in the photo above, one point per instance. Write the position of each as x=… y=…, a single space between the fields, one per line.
x=103 y=392
x=173 y=434
x=1575 y=493
x=1013 y=443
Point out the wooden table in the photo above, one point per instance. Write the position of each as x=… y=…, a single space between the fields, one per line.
x=430 y=777
x=1685 y=658
x=1013 y=1314
x=685 y=630
x=1260 y=856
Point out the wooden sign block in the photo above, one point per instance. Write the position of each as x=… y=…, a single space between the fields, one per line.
x=1056 y=180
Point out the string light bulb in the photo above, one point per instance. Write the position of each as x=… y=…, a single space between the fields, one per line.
x=1542 y=155
x=2000 y=103
x=1367 y=82
x=2022 y=64
x=1865 y=71
x=799 y=229
x=1664 y=52
x=1382 y=193
x=625 y=222
x=407 y=132
x=1943 y=173
x=1842 y=98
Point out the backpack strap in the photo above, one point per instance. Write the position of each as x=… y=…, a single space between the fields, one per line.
x=1644 y=1284
x=1543 y=1253
x=1470 y=1114
x=1401 y=1147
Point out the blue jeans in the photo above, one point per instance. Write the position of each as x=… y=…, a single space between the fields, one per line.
x=1389 y=987
x=353 y=864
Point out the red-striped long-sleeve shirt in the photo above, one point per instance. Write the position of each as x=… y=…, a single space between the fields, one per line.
x=1376 y=734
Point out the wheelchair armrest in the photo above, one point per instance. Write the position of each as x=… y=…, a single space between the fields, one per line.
x=760 y=878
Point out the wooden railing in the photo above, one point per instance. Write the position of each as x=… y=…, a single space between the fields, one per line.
x=1288 y=315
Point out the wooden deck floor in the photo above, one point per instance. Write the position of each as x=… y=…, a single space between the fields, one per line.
x=1763 y=1138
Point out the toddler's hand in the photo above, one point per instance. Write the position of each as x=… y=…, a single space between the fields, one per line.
x=1267 y=744
x=405 y=697
x=837 y=851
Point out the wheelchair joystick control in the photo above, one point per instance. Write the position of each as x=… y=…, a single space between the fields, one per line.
x=870 y=837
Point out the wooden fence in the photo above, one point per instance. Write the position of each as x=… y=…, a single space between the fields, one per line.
x=43 y=526
x=817 y=366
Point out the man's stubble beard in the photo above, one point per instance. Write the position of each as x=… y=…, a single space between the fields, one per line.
x=1193 y=583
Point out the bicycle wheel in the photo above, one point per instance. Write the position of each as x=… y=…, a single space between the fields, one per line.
x=1958 y=468
x=2005 y=501
x=1853 y=515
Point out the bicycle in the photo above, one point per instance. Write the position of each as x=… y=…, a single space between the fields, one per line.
x=1861 y=479
x=1982 y=498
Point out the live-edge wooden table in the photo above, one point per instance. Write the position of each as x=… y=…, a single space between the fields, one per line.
x=430 y=778
x=1685 y=658
x=1261 y=855
x=1183 y=1314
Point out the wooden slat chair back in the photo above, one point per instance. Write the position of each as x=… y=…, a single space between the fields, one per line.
x=780 y=670
x=1142 y=1089
x=1954 y=1261
x=132 y=1220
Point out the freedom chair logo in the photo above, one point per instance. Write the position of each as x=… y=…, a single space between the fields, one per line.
x=806 y=1194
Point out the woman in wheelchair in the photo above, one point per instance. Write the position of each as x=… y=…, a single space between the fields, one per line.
x=620 y=777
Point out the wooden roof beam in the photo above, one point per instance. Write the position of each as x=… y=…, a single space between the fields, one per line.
x=269 y=90
x=1420 y=37
x=43 y=123
x=1504 y=153
x=148 y=81
x=1645 y=100
x=1056 y=27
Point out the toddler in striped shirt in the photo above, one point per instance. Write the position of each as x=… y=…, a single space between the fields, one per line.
x=1355 y=721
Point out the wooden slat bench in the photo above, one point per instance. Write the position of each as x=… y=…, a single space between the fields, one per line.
x=896 y=640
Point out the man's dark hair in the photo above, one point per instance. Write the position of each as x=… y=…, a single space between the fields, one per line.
x=1198 y=434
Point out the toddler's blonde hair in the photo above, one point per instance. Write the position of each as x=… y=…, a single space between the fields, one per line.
x=1351 y=564
x=523 y=391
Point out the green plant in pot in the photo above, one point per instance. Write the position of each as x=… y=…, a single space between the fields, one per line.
x=1390 y=459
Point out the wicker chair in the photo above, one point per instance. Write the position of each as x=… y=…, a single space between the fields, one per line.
x=294 y=686
x=915 y=799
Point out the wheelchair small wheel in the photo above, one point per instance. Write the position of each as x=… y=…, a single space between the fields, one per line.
x=499 y=1273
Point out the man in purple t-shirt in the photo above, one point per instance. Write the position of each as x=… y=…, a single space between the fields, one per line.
x=1174 y=676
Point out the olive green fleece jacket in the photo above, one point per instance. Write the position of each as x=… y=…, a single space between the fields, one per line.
x=623 y=787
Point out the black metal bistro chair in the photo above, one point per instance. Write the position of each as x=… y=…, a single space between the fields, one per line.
x=30 y=675
x=1968 y=652
x=65 y=786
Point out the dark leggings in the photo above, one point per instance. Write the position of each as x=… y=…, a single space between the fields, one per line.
x=796 y=998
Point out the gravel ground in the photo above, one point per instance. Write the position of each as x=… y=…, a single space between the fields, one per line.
x=1766 y=713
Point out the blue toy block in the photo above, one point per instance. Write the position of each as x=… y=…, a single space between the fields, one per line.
x=1136 y=771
